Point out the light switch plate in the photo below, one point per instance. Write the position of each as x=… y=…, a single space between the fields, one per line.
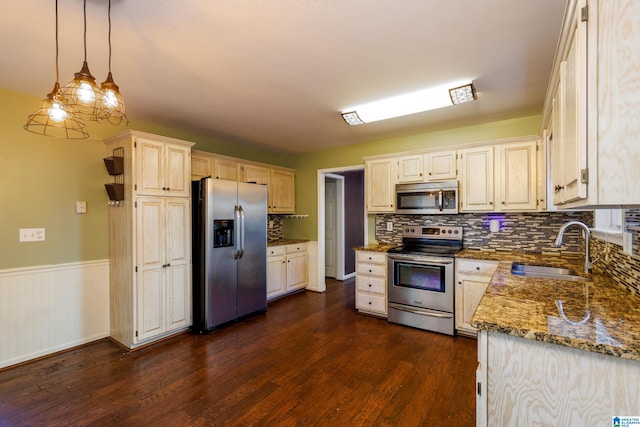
x=81 y=207
x=389 y=226
x=32 y=234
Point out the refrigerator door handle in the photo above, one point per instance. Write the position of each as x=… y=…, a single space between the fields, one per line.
x=241 y=252
x=236 y=243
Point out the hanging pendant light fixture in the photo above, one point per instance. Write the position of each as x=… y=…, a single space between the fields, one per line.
x=112 y=103
x=82 y=94
x=53 y=119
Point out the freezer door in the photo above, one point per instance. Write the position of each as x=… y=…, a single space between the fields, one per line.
x=220 y=265
x=252 y=265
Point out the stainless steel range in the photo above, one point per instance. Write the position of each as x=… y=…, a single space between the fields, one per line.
x=420 y=278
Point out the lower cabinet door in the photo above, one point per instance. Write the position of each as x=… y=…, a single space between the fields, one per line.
x=297 y=276
x=151 y=304
x=276 y=276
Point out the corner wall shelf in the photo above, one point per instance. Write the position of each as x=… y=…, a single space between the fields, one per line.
x=296 y=216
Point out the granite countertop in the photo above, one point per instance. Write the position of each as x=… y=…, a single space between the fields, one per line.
x=281 y=242
x=599 y=315
x=377 y=247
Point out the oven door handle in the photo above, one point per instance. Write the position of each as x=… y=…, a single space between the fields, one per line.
x=421 y=259
x=423 y=312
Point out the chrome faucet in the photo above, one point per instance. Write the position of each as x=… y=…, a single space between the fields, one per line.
x=588 y=265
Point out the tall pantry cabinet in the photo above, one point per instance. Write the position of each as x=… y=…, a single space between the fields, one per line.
x=150 y=239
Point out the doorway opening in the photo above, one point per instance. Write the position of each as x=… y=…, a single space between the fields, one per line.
x=342 y=222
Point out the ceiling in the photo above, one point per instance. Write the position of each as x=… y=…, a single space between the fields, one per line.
x=275 y=74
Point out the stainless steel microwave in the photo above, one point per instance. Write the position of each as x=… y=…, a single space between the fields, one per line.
x=427 y=198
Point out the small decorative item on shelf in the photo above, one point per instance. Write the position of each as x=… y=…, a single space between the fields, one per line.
x=115 y=167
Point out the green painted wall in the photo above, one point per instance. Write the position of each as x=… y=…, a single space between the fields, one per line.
x=41 y=178
x=307 y=165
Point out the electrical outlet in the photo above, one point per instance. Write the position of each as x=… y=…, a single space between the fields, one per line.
x=389 y=226
x=270 y=223
x=627 y=243
x=32 y=234
x=81 y=207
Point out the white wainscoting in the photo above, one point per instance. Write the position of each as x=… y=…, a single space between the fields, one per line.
x=46 y=309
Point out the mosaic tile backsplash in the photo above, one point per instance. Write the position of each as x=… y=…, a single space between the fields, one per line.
x=533 y=232
x=277 y=231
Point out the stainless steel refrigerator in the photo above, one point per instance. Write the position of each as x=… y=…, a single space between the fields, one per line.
x=229 y=251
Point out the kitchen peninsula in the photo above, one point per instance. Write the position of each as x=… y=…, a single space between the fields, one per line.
x=555 y=352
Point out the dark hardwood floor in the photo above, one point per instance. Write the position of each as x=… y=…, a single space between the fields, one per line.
x=310 y=360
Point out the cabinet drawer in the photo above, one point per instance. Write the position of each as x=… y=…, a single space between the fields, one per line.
x=376 y=285
x=474 y=266
x=372 y=257
x=371 y=269
x=298 y=247
x=372 y=303
x=275 y=250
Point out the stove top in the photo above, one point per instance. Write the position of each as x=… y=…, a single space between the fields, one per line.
x=430 y=240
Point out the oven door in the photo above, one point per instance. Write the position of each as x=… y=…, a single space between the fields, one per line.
x=421 y=281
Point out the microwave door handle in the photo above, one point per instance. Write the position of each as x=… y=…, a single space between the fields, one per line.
x=440 y=200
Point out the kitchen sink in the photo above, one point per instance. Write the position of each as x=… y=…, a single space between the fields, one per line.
x=548 y=272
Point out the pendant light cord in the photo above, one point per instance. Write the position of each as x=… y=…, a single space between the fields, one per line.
x=57 y=71
x=109 y=15
x=85 y=30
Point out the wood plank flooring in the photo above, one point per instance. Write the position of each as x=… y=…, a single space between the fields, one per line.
x=310 y=360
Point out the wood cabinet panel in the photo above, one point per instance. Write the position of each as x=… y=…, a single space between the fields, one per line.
x=380 y=185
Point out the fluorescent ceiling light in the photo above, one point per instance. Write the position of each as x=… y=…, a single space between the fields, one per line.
x=410 y=103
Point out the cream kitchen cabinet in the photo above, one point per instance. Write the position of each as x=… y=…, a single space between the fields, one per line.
x=476 y=188
x=592 y=99
x=282 y=191
x=200 y=165
x=149 y=244
x=371 y=282
x=224 y=168
x=280 y=181
x=432 y=166
x=287 y=269
x=499 y=177
x=441 y=165
x=162 y=168
x=380 y=185
x=472 y=278
x=526 y=382
x=254 y=173
x=410 y=169
x=164 y=266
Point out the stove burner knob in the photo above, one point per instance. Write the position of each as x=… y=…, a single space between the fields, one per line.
x=449 y=231
x=413 y=230
x=455 y=232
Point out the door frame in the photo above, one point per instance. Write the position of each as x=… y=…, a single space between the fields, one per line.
x=321 y=218
x=339 y=179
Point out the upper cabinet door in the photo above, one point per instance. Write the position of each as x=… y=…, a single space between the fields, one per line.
x=177 y=174
x=163 y=169
x=441 y=165
x=477 y=179
x=226 y=169
x=282 y=191
x=517 y=176
x=254 y=173
x=150 y=167
x=410 y=168
x=380 y=185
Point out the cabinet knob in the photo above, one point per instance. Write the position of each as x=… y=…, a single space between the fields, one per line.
x=429 y=173
x=370 y=258
x=490 y=203
x=420 y=174
x=370 y=271
x=477 y=268
x=459 y=283
x=369 y=284
x=369 y=302
x=503 y=203
x=288 y=260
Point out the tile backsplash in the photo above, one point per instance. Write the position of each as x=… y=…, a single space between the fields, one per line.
x=532 y=232
x=277 y=231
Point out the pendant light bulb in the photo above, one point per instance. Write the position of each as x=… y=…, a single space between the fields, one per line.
x=83 y=96
x=112 y=104
x=56 y=113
